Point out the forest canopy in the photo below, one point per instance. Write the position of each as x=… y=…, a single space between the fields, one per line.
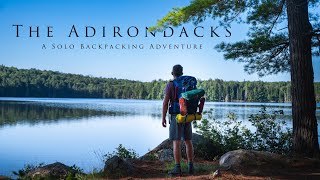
x=38 y=83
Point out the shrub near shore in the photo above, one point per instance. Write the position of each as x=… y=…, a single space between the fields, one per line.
x=270 y=132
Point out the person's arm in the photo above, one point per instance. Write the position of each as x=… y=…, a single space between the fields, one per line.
x=167 y=94
x=165 y=109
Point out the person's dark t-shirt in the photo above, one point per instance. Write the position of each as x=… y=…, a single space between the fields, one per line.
x=169 y=90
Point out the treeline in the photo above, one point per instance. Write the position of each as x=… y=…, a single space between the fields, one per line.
x=37 y=83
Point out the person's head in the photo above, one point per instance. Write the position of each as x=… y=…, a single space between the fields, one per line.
x=177 y=70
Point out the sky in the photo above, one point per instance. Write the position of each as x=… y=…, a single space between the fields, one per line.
x=139 y=64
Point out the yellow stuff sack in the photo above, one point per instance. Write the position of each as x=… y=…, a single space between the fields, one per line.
x=190 y=117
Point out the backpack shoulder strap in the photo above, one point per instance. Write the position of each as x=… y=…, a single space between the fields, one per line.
x=175 y=89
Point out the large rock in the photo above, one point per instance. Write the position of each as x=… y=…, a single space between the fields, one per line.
x=165 y=155
x=249 y=160
x=116 y=167
x=52 y=171
x=4 y=178
x=203 y=149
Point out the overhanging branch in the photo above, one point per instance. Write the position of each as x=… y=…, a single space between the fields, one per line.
x=277 y=17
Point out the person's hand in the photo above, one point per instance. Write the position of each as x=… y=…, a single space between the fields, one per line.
x=164 y=122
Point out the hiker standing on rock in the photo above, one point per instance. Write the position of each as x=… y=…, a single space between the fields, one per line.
x=177 y=131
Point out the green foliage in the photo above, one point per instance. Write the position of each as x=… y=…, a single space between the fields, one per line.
x=227 y=135
x=205 y=168
x=35 y=83
x=263 y=55
x=258 y=91
x=170 y=165
x=199 y=168
x=71 y=176
x=199 y=10
x=231 y=134
x=122 y=152
x=266 y=50
x=22 y=173
x=270 y=134
x=77 y=169
x=74 y=176
x=94 y=175
x=150 y=157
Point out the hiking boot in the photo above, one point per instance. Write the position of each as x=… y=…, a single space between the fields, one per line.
x=217 y=173
x=176 y=171
x=190 y=168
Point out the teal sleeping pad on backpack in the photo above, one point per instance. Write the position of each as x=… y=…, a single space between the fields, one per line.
x=196 y=93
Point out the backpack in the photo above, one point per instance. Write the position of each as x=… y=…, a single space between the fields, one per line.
x=186 y=96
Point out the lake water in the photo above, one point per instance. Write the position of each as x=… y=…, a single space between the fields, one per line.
x=81 y=131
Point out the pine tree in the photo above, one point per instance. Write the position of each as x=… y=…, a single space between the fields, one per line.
x=269 y=49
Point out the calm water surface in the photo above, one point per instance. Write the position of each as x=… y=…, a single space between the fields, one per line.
x=81 y=131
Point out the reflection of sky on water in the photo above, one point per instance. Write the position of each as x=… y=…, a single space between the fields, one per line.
x=80 y=131
x=77 y=142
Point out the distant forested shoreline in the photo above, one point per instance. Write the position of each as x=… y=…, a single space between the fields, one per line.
x=16 y=82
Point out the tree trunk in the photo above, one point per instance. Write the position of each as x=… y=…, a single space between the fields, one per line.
x=305 y=133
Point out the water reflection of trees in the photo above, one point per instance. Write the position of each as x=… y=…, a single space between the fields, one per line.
x=12 y=113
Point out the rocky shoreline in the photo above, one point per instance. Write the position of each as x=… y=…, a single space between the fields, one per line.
x=152 y=164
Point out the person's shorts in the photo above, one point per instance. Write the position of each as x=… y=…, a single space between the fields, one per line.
x=179 y=131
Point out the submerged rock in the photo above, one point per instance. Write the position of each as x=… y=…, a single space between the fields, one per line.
x=52 y=171
x=117 y=167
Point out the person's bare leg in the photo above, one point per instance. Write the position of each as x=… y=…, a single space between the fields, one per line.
x=177 y=158
x=189 y=149
x=177 y=151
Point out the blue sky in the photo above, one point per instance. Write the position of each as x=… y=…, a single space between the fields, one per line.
x=144 y=65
